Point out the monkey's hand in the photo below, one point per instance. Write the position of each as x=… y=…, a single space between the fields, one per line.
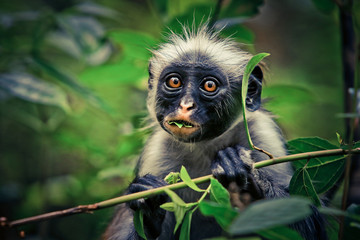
x=153 y=214
x=232 y=165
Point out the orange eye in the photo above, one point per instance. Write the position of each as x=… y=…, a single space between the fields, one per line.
x=174 y=82
x=210 y=86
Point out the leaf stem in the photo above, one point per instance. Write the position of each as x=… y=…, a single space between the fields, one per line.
x=263 y=151
x=203 y=196
x=244 y=89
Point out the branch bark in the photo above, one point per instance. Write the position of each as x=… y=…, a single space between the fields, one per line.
x=144 y=194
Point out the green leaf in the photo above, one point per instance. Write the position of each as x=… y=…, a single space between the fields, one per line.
x=224 y=215
x=172 y=177
x=245 y=82
x=325 y=176
x=339 y=138
x=139 y=223
x=187 y=179
x=169 y=206
x=332 y=211
x=310 y=144
x=179 y=207
x=324 y=172
x=126 y=71
x=130 y=66
x=185 y=227
x=218 y=193
x=352 y=212
x=301 y=184
x=280 y=233
x=174 y=197
x=178 y=124
x=29 y=88
x=179 y=216
x=264 y=214
x=70 y=82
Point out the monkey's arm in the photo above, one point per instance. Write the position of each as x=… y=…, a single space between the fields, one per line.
x=234 y=164
x=153 y=214
x=122 y=226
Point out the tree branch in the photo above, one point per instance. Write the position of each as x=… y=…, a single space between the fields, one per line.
x=148 y=193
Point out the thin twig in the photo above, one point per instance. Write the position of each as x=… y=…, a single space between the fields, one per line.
x=104 y=204
x=263 y=151
x=75 y=210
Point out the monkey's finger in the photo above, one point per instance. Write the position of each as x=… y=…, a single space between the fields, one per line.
x=224 y=158
x=151 y=180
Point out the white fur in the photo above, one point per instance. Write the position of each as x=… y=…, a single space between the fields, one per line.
x=224 y=52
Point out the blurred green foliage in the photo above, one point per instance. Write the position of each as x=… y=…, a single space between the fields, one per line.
x=73 y=78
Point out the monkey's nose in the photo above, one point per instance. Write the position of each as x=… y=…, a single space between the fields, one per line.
x=188 y=106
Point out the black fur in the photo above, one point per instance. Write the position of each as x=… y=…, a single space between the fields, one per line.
x=153 y=215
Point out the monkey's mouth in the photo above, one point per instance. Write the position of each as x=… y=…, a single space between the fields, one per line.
x=180 y=123
x=180 y=127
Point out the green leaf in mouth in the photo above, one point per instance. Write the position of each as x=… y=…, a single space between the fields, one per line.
x=180 y=124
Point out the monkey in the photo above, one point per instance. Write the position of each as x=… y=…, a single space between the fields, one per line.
x=194 y=103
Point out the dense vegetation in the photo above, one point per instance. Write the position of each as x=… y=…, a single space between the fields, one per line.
x=73 y=89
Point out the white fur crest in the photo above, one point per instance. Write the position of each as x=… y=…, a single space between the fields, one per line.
x=195 y=44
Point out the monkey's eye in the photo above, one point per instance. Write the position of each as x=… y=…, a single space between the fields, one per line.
x=173 y=82
x=210 y=86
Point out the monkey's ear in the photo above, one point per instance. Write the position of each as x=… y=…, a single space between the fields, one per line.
x=253 y=98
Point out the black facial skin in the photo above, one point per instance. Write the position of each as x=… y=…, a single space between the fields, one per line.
x=213 y=111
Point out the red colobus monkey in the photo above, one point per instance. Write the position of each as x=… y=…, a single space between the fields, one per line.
x=194 y=100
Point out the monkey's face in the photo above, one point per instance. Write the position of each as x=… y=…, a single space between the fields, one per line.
x=195 y=103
